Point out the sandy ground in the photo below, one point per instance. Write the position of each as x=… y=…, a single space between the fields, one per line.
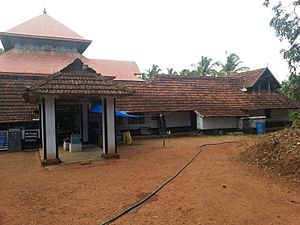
x=214 y=189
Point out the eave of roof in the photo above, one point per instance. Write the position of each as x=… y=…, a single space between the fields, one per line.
x=221 y=112
x=44 y=37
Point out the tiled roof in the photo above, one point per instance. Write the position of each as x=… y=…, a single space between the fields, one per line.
x=44 y=26
x=35 y=62
x=209 y=96
x=77 y=83
x=122 y=70
x=13 y=108
x=249 y=77
x=179 y=93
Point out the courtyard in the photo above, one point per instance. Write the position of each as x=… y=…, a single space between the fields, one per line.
x=215 y=189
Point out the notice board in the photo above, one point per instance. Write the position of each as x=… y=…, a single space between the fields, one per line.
x=14 y=139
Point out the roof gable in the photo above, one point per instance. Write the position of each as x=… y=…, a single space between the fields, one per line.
x=249 y=77
x=76 y=79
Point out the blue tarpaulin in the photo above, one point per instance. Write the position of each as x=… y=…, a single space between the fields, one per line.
x=98 y=109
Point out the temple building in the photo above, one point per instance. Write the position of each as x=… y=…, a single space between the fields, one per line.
x=51 y=94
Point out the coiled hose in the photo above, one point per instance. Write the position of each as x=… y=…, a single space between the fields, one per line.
x=140 y=202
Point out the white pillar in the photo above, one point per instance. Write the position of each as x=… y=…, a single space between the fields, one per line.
x=108 y=127
x=49 y=129
x=42 y=125
x=85 y=121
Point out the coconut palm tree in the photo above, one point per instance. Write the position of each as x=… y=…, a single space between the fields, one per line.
x=232 y=65
x=154 y=70
x=171 y=71
x=205 y=67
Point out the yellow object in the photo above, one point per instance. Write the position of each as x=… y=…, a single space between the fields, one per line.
x=128 y=138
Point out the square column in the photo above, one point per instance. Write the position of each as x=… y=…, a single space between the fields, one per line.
x=85 y=122
x=109 y=128
x=49 y=142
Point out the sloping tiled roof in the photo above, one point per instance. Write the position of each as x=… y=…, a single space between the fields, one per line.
x=209 y=96
x=77 y=83
x=122 y=70
x=44 y=26
x=35 y=62
x=179 y=93
x=249 y=77
x=13 y=108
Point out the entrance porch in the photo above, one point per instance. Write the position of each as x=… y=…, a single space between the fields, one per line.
x=75 y=83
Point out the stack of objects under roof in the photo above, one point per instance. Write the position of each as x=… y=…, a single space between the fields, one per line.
x=278 y=152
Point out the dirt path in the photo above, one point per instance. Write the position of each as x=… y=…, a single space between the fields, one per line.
x=215 y=189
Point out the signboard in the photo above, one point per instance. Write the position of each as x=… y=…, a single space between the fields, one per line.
x=3 y=140
x=14 y=139
x=31 y=136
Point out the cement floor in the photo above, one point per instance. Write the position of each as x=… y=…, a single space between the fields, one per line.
x=88 y=153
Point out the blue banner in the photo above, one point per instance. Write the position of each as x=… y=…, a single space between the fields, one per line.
x=3 y=140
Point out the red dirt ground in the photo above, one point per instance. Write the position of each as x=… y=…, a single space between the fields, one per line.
x=214 y=189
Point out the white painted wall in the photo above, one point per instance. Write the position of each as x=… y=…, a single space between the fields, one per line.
x=50 y=128
x=216 y=123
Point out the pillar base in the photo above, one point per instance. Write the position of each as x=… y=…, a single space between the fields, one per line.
x=50 y=162
x=111 y=156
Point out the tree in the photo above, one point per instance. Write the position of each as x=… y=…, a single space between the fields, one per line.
x=232 y=65
x=171 y=71
x=185 y=72
x=154 y=70
x=286 y=23
x=291 y=87
x=205 y=67
x=1 y=51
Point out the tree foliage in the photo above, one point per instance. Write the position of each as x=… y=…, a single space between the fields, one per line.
x=154 y=70
x=171 y=71
x=232 y=65
x=205 y=67
x=185 y=72
x=286 y=23
x=1 y=51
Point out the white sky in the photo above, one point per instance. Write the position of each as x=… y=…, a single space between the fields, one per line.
x=169 y=33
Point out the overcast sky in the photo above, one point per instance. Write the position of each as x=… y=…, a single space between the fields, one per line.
x=169 y=33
